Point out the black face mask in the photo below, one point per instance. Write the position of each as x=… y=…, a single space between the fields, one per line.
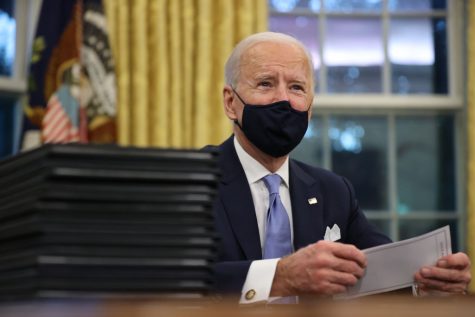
x=276 y=128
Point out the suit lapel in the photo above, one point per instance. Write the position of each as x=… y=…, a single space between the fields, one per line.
x=239 y=207
x=307 y=215
x=237 y=200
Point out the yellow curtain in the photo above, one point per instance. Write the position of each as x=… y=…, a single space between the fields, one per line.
x=170 y=57
x=471 y=137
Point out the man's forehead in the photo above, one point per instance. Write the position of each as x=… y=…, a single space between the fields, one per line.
x=262 y=56
x=280 y=50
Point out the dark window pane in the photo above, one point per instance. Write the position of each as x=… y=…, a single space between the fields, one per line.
x=7 y=112
x=354 y=55
x=418 y=56
x=359 y=152
x=291 y=5
x=440 y=76
x=417 y=5
x=310 y=149
x=409 y=228
x=353 y=5
x=425 y=163
x=7 y=38
x=304 y=28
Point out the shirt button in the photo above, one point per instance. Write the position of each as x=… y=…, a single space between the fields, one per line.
x=250 y=294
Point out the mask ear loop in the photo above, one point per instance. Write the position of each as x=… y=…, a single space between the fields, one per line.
x=309 y=106
x=239 y=97
x=236 y=122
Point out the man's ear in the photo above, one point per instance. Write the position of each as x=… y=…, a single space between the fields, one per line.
x=228 y=99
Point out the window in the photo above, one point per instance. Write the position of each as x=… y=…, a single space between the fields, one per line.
x=17 y=22
x=370 y=46
x=7 y=38
x=388 y=105
x=7 y=58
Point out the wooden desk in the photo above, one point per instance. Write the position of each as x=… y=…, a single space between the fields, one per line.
x=376 y=306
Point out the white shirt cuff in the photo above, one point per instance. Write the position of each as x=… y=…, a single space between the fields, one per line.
x=259 y=281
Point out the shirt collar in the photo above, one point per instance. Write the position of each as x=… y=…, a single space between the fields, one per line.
x=254 y=170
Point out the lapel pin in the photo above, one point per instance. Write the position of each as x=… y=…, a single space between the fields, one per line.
x=312 y=201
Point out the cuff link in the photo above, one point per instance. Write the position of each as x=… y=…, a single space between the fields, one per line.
x=250 y=294
x=415 y=290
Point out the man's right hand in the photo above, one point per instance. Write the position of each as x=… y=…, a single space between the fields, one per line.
x=322 y=268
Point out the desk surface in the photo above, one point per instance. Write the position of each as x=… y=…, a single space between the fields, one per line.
x=376 y=306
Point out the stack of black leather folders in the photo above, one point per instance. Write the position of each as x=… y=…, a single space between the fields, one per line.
x=83 y=219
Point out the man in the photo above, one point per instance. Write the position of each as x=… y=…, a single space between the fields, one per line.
x=271 y=227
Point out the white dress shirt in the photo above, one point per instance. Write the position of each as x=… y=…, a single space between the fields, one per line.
x=261 y=272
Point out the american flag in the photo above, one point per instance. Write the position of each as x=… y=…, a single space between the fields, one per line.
x=52 y=112
x=72 y=80
x=57 y=126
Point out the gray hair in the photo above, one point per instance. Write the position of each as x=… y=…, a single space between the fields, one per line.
x=231 y=68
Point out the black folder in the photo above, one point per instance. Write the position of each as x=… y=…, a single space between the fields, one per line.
x=109 y=220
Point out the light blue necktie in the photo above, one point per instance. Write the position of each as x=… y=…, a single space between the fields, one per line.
x=278 y=240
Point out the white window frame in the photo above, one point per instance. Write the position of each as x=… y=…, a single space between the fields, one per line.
x=453 y=100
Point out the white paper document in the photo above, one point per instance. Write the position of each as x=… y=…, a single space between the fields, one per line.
x=392 y=266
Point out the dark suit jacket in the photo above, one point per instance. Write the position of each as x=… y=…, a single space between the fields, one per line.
x=236 y=221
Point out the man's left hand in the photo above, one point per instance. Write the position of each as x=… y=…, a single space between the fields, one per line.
x=451 y=274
